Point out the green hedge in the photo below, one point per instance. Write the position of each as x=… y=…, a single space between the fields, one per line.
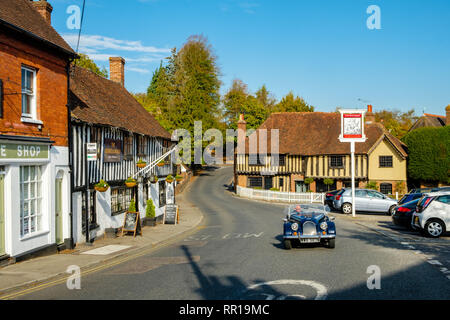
x=428 y=150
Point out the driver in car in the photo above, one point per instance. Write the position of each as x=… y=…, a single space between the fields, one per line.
x=297 y=209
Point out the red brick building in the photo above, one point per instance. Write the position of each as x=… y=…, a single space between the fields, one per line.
x=34 y=127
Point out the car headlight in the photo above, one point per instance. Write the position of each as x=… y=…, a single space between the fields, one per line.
x=324 y=226
x=294 y=226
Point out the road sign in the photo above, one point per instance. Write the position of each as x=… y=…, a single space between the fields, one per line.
x=91 y=151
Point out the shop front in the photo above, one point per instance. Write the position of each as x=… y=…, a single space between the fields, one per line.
x=34 y=187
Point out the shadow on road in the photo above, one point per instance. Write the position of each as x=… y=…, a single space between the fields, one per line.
x=232 y=287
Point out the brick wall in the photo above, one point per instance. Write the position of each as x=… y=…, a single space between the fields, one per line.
x=51 y=89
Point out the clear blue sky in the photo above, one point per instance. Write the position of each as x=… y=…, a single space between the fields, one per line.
x=322 y=50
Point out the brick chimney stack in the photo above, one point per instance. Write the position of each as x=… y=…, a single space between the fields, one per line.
x=370 y=116
x=242 y=128
x=447 y=115
x=45 y=9
x=117 y=70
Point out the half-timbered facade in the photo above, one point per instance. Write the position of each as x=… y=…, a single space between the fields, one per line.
x=105 y=113
x=310 y=155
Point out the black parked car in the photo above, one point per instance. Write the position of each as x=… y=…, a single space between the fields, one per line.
x=329 y=197
x=403 y=214
x=410 y=197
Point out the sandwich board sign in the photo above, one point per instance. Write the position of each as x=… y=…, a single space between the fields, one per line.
x=352 y=131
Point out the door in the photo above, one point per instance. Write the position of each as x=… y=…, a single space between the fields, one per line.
x=268 y=183
x=58 y=212
x=377 y=202
x=2 y=214
x=361 y=199
x=300 y=187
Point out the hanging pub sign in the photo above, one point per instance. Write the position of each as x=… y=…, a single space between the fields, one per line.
x=352 y=126
x=112 y=151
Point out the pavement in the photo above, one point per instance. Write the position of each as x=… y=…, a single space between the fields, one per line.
x=34 y=272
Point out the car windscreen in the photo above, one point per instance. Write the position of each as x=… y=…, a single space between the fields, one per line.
x=411 y=204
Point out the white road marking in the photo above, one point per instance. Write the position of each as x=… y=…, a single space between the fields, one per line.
x=103 y=251
x=321 y=290
x=434 y=262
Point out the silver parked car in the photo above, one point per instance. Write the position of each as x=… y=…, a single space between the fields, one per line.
x=366 y=200
x=432 y=215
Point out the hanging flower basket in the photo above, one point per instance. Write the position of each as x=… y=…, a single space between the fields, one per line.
x=169 y=178
x=141 y=164
x=161 y=164
x=154 y=179
x=130 y=182
x=102 y=186
x=178 y=178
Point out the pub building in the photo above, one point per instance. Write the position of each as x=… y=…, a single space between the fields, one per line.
x=34 y=145
x=105 y=113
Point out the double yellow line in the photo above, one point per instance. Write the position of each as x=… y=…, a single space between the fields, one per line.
x=53 y=283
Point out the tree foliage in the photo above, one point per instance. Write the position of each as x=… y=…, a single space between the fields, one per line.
x=396 y=122
x=85 y=62
x=291 y=103
x=428 y=154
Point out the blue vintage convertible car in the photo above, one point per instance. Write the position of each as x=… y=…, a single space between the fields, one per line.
x=308 y=223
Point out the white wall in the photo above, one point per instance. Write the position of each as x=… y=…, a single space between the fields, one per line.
x=16 y=245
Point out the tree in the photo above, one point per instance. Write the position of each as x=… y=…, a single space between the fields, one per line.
x=85 y=62
x=233 y=101
x=289 y=103
x=328 y=182
x=266 y=98
x=396 y=122
x=429 y=154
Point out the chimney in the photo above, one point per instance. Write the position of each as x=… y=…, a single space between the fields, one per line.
x=242 y=128
x=370 y=117
x=117 y=70
x=45 y=9
x=447 y=115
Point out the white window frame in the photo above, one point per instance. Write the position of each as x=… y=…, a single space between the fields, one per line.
x=33 y=112
x=37 y=214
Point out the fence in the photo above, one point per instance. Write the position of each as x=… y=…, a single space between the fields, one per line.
x=307 y=197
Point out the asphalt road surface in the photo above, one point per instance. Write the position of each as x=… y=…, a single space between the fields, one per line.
x=237 y=253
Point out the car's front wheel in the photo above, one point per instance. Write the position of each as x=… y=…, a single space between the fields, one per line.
x=287 y=244
x=331 y=243
x=347 y=208
x=434 y=228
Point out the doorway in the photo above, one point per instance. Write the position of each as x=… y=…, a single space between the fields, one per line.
x=58 y=211
x=2 y=213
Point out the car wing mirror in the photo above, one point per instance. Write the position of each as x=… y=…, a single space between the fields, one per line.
x=285 y=220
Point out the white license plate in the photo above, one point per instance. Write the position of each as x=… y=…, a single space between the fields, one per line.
x=306 y=240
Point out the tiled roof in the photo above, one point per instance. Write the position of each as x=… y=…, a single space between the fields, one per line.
x=316 y=133
x=97 y=100
x=429 y=120
x=22 y=15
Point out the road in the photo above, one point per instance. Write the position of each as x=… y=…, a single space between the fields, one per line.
x=237 y=254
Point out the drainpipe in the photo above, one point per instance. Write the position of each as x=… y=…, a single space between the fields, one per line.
x=69 y=122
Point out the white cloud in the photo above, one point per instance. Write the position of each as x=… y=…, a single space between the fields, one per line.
x=98 y=42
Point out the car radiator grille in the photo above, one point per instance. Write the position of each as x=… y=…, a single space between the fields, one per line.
x=309 y=229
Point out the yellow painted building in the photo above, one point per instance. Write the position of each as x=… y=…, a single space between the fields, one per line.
x=310 y=155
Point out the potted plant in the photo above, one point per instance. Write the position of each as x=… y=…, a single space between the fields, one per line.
x=178 y=178
x=169 y=178
x=154 y=179
x=141 y=163
x=130 y=182
x=162 y=163
x=132 y=207
x=102 y=186
x=150 y=219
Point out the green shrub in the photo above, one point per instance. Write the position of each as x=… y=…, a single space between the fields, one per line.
x=274 y=189
x=429 y=154
x=132 y=207
x=372 y=185
x=150 y=209
x=309 y=180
